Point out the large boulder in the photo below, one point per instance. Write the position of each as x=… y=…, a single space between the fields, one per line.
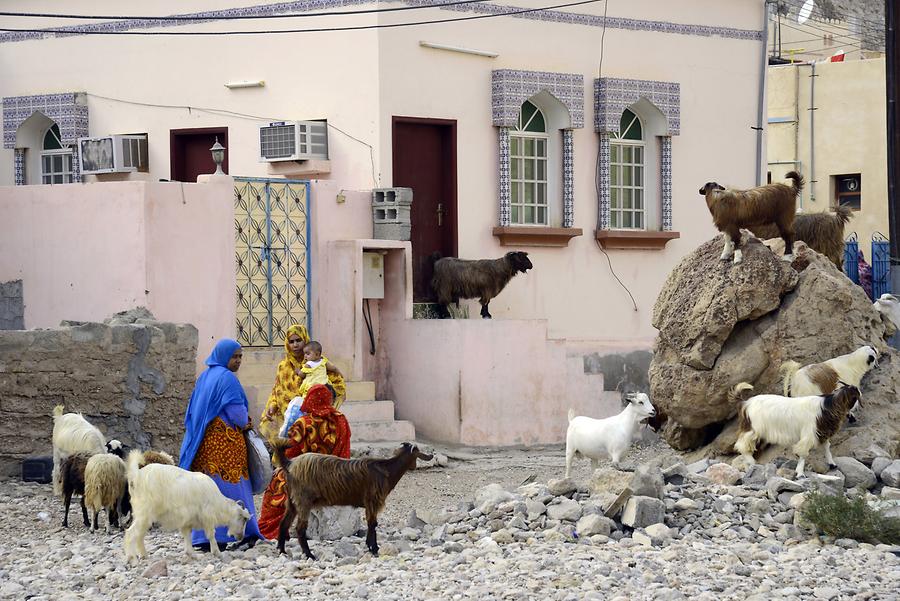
x=721 y=324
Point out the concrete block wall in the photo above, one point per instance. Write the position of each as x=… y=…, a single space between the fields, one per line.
x=12 y=306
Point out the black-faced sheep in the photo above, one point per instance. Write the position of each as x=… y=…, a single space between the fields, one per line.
x=315 y=480
x=822 y=232
x=177 y=499
x=732 y=210
x=803 y=422
x=72 y=483
x=72 y=434
x=482 y=279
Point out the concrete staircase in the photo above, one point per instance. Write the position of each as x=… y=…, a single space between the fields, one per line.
x=370 y=420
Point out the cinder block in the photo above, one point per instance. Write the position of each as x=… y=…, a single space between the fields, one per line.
x=391 y=231
x=388 y=196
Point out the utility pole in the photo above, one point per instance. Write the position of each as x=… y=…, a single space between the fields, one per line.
x=892 y=86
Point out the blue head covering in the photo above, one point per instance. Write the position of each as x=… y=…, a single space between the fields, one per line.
x=216 y=388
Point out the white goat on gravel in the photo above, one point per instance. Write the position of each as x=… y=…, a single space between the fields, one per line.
x=72 y=434
x=177 y=499
x=609 y=437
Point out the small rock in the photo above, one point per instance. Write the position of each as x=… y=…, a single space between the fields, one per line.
x=592 y=524
x=826 y=592
x=157 y=569
x=777 y=484
x=640 y=512
x=846 y=543
x=565 y=510
x=879 y=463
x=758 y=506
x=722 y=473
x=362 y=592
x=686 y=504
x=855 y=473
x=642 y=539
x=648 y=481
x=659 y=531
x=890 y=475
x=889 y=493
x=452 y=547
x=829 y=484
x=697 y=467
x=502 y=536
x=562 y=487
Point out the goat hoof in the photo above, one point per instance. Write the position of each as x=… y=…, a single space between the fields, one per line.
x=374 y=551
x=832 y=466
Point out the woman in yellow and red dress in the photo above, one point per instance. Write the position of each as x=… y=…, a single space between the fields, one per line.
x=323 y=429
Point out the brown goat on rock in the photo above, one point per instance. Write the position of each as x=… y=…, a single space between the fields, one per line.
x=315 y=480
x=482 y=279
x=822 y=232
x=733 y=209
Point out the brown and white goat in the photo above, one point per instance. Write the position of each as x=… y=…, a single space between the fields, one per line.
x=822 y=232
x=315 y=480
x=802 y=422
x=732 y=210
x=482 y=279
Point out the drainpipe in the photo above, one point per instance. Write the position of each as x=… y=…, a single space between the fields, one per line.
x=797 y=124
x=761 y=112
x=812 y=134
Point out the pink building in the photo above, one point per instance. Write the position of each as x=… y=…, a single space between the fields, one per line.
x=575 y=134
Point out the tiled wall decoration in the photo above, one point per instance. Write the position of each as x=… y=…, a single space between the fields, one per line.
x=504 y=177
x=603 y=213
x=665 y=165
x=555 y=16
x=568 y=179
x=20 y=166
x=68 y=110
x=613 y=95
x=510 y=88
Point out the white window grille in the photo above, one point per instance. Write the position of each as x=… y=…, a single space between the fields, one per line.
x=529 y=142
x=56 y=159
x=626 y=170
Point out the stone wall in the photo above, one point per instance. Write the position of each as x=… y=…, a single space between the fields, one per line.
x=12 y=306
x=130 y=376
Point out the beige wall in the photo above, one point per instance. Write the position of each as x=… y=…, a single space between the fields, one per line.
x=86 y=252
x=849 y=135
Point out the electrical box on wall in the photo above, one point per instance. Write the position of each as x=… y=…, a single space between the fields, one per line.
x=373 y=275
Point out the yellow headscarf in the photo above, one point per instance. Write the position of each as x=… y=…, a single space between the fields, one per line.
x=288 y=385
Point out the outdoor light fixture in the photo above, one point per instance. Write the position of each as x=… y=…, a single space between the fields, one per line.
x=218 y=155
x=251 y=83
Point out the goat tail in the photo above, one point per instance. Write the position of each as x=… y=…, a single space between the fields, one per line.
x=135 y=458
x=58 y=410
x=798 y=180
x=787 y=371
x=736 y=394
x=842 y=214
x=571 y=414
x=280 y=446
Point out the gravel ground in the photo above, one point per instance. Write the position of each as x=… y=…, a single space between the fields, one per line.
x=709 y=547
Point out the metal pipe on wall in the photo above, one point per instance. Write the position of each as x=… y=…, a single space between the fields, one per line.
x=761 y=112
x=812 y=134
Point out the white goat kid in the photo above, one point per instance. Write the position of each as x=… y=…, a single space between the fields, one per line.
x=889 y=305
x=72 y=434
x=609 y=437
x=177 y=499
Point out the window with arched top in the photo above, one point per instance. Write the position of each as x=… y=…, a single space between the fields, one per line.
x=528 y=154
x=627 y=154
x=56 y=158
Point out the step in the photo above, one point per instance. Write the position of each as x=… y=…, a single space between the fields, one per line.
x=383 y=430
x=368 y=411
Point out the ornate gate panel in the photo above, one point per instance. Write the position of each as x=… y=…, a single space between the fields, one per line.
x=272 y=258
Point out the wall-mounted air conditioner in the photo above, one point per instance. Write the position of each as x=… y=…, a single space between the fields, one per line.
x=293 y=141
x=112 y=154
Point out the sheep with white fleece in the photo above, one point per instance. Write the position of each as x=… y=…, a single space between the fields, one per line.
x=106 y=487
x=72 y=434
x=609 y=437
x=177 y=499
x=823 y=378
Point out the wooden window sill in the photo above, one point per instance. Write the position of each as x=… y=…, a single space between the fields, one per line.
x=634 y=240
x=536 y=236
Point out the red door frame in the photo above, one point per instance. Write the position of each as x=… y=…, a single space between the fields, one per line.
x=175 y=149
x=450 y=187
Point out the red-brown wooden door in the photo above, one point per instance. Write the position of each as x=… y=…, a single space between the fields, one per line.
x=424 y=159
x=190 y=155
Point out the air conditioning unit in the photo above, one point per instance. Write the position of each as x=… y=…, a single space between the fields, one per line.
x=112 y=154
x=293 y=141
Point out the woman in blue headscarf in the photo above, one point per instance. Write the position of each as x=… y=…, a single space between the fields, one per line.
x=214 y=437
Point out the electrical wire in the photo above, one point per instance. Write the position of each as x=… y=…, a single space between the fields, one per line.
x=215 y=111
x=314 y=30
x=216 y=17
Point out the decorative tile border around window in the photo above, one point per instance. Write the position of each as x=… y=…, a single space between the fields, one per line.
x=665 y=166
x=568 y=179
x=510 y=88
x=505 y=185
x=603 y=216
x=554 y=16
x=613 y=95
x=69 y=111
x=20 y=166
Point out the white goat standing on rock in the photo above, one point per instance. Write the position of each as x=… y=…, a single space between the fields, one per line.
x=608 y=437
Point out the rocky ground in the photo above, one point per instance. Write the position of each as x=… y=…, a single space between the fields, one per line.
x=492 y=524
